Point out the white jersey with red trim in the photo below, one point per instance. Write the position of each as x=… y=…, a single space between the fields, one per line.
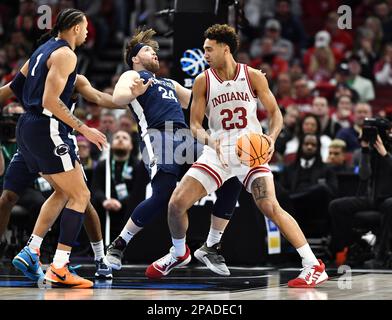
x=231 y=105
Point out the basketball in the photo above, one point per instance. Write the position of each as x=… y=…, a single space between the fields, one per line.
x=252 y=149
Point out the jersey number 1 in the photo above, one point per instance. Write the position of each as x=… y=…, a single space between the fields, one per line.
x=228 y=115
x=36 y=64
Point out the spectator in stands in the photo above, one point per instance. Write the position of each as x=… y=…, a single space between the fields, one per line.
x=342 y=117
x=322 y=40
x=320 y=109
x=337 y=157
x=367 y=52
x=290 y=120
x=322 y=65
x=382 y=11
x=350 y=135
x=283 y=47
x=309 y=125
x=302 y=95
x=296 y=70
x=93 y=115
x=342 y=89
x=268 y=55
x=292 y=27
x=122 y=174
x=127 y=123
x=284 y=90
x=383 y=68
x=341 y=39
x=243 y=57
x=363 y=86
x=310 y=182
x=108 y=124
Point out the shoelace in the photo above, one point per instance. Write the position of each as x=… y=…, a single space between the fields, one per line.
x=305 y=271
x=167 y=260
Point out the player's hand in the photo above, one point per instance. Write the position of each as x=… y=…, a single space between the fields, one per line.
x=112 y=205
x=271 y=148
x=218 y=149
x=93 y=135
x=138 y=87
x=379 y=146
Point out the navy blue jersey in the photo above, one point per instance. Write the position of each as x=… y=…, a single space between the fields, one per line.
x=34 y=86
x=158 y=104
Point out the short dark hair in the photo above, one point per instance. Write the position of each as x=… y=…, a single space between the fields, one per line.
x=140 y=36
x=223 y=33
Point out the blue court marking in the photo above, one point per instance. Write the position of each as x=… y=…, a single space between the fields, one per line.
x=18 y=283
x=162 y=286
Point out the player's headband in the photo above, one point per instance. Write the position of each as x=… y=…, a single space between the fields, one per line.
x=135 y=50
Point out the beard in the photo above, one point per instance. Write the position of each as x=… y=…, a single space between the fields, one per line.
x=152 y=66
x=120 y=152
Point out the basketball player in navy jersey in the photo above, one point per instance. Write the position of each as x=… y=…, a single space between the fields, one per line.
x=42 y=137
x=18 y=178
x=156 y=103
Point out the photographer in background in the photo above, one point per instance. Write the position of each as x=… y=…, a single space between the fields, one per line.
x=375 y=169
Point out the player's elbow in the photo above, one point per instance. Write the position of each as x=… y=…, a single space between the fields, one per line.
x=120 y=98
x=48 y=102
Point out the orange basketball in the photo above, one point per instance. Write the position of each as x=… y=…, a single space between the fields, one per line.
x=252 y=149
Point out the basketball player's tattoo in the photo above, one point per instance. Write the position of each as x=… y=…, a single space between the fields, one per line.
x=259 y=189
x=65 y=108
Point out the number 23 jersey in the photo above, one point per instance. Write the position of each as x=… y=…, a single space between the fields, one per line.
x=231 y=104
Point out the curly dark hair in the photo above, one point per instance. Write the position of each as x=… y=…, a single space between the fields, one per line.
x=140 y=35
x=223 y=33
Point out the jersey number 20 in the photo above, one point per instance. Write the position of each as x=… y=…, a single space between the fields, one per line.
x=240 y=122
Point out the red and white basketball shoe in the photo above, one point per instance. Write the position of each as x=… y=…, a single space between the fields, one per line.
x=310 y=277
x=164 y=265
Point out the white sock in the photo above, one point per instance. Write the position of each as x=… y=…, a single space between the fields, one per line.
x=214 y=237
x=98 y=248
x=307 y=255
x=34 y=243
x=179 y=246
x=61 y=258
x=126 y=234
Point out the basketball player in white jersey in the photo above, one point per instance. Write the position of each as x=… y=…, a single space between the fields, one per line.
x=227 y=94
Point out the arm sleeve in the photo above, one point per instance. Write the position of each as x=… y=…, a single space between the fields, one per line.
x=17 y=86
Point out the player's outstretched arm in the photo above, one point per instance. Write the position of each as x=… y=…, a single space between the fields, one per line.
x=129 y=87
x=183 y=94
x=88 y=92
x=61 y=64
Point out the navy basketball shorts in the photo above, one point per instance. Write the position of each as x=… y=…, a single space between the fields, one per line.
x=17 y=177
x=169 y=150
x=46 y=144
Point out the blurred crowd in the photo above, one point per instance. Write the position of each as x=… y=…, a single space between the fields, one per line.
x=326 y=80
